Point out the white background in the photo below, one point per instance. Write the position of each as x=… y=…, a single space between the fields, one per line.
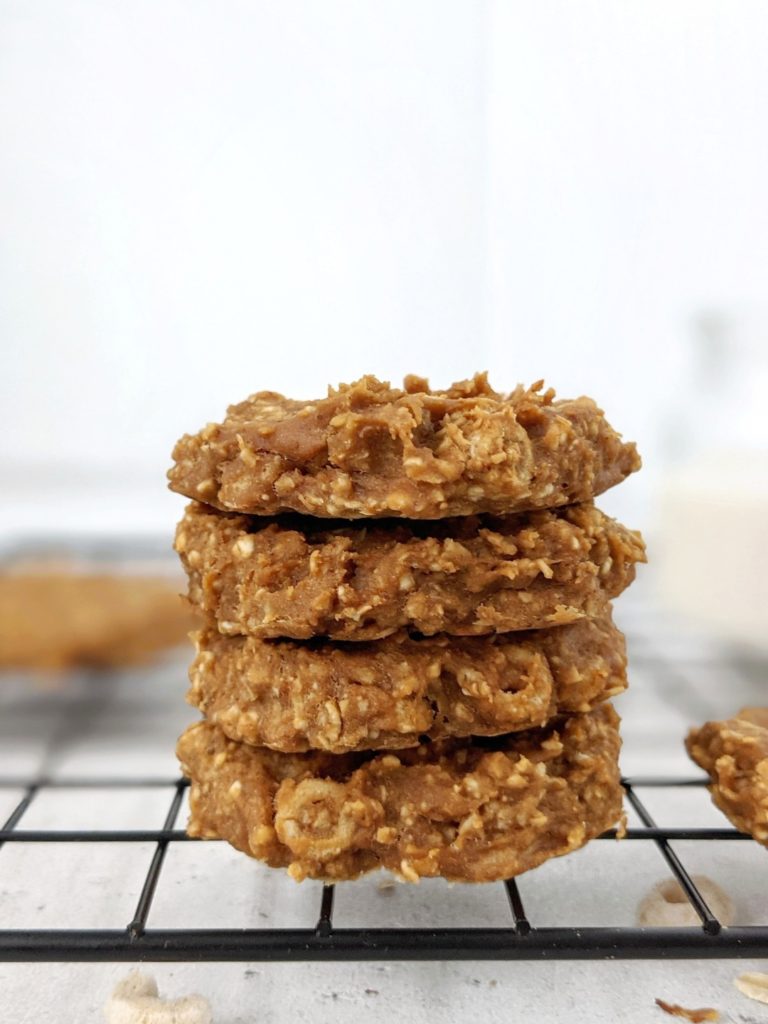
x=200 y=200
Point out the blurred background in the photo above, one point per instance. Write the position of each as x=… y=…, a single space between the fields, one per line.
x=200 y=200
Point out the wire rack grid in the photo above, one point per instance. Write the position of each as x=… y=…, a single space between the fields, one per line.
x=521 y=939
x=681 y=681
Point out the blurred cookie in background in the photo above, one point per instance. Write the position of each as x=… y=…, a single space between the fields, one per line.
x=55 y=617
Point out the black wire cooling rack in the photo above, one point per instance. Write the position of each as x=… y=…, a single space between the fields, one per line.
x=521 y=940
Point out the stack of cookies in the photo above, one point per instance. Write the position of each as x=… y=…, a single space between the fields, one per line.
x=408 y=649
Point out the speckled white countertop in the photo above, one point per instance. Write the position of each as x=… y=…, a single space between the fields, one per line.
x=125 y=725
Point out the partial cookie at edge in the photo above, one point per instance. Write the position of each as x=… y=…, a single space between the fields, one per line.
x=57 y=617
x=734 y=753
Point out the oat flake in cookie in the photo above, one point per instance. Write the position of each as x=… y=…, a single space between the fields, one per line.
x=370 y=450
x=472 y=811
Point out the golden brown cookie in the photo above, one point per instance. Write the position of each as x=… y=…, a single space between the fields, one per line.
x=372 y=450
x=390 y=693
x=55 y=619
x=301 y=577
x=469 y=810
x=734 y=754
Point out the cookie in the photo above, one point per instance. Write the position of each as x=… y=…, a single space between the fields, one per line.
x=370 y=450
x=734 y=754
x=59 y=619
x=471 y=811
x=300 y=577
x=392 y=693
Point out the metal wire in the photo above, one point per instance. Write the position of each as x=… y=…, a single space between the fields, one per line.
x=137 y=925
x=709 y=921
x=522 y=939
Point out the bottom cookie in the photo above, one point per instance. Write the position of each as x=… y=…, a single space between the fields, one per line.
x=468 y=810
x=734 y=754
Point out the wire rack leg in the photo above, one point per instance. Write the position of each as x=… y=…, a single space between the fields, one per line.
x=138 y=924
x=522 y=924
x=324 y=925
x=709 y=922
x=20 y=809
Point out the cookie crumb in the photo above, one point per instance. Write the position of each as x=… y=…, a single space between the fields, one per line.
x=135 y=1000
x=754 y=985
x=695 y=1016
x=667 y=905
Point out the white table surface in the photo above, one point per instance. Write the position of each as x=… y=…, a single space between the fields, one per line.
x=125 y=725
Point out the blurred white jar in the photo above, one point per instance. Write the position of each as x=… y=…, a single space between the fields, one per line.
x=712 y=555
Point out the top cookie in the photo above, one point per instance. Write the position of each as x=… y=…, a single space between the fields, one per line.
x=370 y=450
